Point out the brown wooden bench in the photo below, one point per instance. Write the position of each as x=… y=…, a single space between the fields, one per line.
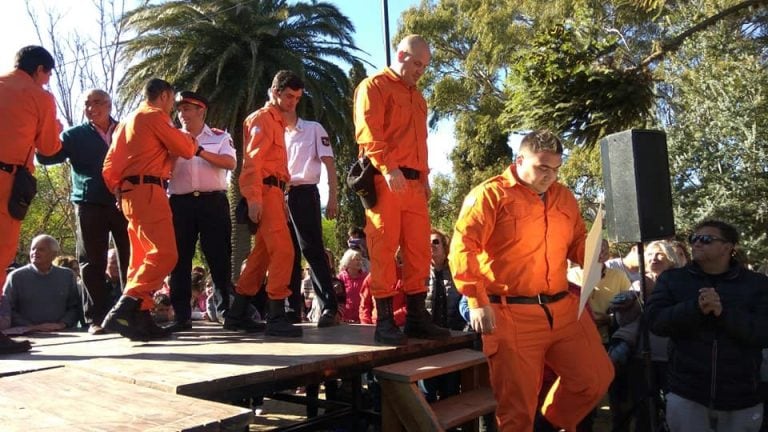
x=404 y=407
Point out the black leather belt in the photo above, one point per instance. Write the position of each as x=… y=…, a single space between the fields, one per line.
x=200 y=194
x=274 y=181
x=541 y=300
x=303 y=186
x=137 y=179
x=410 y=173
x=538 y=299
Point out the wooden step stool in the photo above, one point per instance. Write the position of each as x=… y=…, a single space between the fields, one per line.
x=404 y=408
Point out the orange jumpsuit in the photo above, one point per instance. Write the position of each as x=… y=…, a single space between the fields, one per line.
x=27 y=123
x=265 y=156
x=145 y=144
x=509 y=241
x=391 y=129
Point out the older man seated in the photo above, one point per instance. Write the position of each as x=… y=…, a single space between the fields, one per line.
x=42 y=296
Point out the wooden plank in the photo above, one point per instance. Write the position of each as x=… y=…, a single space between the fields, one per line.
x=65 y=399
x=431 y=366
x=459 y=409
x=209 y=361
x=412 y=410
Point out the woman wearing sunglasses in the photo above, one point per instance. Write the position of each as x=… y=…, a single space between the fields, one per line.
x=715 y=312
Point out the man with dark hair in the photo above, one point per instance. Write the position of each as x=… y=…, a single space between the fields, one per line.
x=391 y=130
x=715 y=312
x=198 y=197
x=27 y=124
x=309 y=148
x=509 y=253
x=262 y=183
x=33 y=60
x=136 y=169
x=97 y=215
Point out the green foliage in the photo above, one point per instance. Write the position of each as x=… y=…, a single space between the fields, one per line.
x=51 y=212
x=442 y=204
x=351 y=212
x=569 y=81
x=329 y=236
x=718 y=149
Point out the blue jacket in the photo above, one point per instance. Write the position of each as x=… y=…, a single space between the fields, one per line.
x=85 y=149
x=714 y=361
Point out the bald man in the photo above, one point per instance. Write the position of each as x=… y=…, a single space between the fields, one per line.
x=391 y=130
x=97 y=216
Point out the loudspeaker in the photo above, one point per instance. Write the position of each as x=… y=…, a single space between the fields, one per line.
x=638 y=196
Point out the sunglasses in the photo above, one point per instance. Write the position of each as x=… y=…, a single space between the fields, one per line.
x=704 y=239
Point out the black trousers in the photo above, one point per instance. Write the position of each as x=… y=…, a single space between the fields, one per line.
x=95 y=224
x=207 y=217
x=307 y=235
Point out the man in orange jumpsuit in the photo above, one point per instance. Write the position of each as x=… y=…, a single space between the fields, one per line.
x=262 y=183
x=391 y=130
x=508 y=256
x=27 y=124
x=136 y=168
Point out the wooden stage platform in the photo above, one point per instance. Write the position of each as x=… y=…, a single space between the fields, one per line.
x=206 y=363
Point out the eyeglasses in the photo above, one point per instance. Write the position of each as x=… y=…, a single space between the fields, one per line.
x=704 y=239
x=436 y=242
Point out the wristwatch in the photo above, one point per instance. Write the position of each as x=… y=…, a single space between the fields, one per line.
x=199 y=150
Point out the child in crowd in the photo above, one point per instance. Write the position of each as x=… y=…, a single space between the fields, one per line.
x=162 y=312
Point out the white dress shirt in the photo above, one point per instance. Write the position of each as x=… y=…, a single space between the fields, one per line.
x=306 y=144
x=197 y=174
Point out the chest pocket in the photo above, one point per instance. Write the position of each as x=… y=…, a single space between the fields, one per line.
x=559 y=223
x=513 y=217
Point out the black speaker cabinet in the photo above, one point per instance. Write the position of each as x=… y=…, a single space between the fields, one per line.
x=638 y=196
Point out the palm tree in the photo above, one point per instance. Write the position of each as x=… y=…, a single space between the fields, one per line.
x=229 y=50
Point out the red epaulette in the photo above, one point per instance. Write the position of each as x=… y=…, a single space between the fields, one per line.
x=218 y=131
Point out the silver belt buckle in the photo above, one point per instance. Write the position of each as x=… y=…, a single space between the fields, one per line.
x=196 y=193
x=538 y=296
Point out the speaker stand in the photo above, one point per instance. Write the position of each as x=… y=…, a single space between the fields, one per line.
x=645 y=335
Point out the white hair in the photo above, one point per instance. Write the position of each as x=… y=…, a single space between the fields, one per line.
x=52 y=242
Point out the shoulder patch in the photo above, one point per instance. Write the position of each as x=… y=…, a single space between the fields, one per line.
x=255 y=131
x=326 y=141
x=217 y=131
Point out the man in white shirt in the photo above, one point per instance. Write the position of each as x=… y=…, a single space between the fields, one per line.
x=309 y=147
x=198 y=198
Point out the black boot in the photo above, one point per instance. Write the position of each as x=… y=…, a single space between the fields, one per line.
x=329 y=318
x=147 y=329
x=10 y=346
x=237 y=317
x=277 y=322
x=122 y=318
x=387 y=332
x=418 y=322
